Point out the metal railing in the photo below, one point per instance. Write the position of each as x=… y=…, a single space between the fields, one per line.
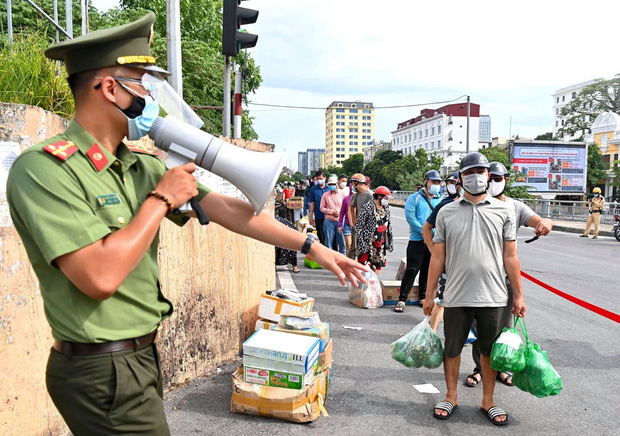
x=554 y=209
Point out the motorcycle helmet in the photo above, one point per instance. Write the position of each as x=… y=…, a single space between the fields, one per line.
x=498 y=169
x=473 y=160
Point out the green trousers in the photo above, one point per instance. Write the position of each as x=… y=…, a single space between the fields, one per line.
x=116 y=393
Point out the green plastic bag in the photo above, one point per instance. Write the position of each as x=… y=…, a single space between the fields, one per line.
x=507 y=354
x=539 y=378
x=309 y=263
x=420 y=347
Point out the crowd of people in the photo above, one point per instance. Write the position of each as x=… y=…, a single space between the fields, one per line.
x=470 y=219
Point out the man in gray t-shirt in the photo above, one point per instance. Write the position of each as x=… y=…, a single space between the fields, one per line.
x=476 y=241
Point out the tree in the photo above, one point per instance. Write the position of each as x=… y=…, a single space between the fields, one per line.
x=597 y=167
x=496 y=154
x=354 y=164
x=546 y=137
x=594 y=99
x=410 y=171
x=298 y=177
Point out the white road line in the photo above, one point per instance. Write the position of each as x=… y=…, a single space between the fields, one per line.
x=285 y=279
x=399 y=217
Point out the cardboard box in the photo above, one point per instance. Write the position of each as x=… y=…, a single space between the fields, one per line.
x=265 y=324
x=277 y=378
x=303 y=405
x=325 y=358
x=302 y=351
x=295 y=203
x=401 y=272
x=271 y=307
x=391 y=292
x=321 y=331
x=367 y=296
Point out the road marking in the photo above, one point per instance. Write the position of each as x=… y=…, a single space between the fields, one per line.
x=400 y=237
x=284 y=277
x=399 y=217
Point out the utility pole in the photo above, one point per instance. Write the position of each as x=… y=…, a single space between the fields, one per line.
x=238 y=108
x=226 y=111
x=467 y=142
x=69 y=18
x=173 y=26
x=9 y=19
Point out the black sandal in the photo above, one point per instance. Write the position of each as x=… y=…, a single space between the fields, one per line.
x=447 y=407
x=472 y=376
x=493 y=413
x=505 y=380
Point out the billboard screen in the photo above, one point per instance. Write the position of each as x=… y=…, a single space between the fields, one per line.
x=558 y=167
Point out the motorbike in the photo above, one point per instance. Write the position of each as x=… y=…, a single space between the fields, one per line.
x=616 y=229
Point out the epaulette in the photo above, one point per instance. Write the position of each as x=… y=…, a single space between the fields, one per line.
x=138 y=148
x=61 y=149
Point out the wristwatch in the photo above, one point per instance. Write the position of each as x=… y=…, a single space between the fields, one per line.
x=311 y=238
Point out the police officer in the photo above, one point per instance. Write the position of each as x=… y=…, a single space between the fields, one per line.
x=596 y=209
x=90 y=222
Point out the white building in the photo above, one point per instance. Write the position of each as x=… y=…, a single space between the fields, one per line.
x=442 y=132
x=561 y=98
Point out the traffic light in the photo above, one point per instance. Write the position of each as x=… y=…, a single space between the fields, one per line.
x=234 y=16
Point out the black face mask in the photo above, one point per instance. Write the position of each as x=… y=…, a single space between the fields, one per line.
x=135 y=108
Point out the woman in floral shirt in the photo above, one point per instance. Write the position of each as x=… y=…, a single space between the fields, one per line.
x=374 y=230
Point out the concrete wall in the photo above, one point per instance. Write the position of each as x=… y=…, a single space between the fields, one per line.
x=213 y=277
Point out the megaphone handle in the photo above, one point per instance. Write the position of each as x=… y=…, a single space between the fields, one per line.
x=203 y=219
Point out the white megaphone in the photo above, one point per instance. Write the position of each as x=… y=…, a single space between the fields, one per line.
x=254 y=173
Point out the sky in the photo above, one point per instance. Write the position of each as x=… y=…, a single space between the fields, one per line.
x=509 y=57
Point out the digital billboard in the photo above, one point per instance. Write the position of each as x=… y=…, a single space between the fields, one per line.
x=556 y=167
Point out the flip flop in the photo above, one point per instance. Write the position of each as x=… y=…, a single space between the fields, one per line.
x=400 y=307
x=472 y=376
x=493 y=413
x=446 y=406
x=504 y=380
x=295 y=269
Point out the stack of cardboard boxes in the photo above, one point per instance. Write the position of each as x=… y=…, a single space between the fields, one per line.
x=286 y=372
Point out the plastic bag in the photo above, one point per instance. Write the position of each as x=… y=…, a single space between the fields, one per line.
x=507 y=354
x=420 y=347
x=368 y=295
x=539 y=378
x=309 y=263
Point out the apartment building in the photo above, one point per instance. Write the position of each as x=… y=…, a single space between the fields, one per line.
x=349 y=127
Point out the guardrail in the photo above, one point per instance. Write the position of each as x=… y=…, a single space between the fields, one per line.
x=564 y=210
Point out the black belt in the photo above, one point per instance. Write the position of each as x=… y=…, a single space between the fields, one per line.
x=596 y=211
x=82 y=349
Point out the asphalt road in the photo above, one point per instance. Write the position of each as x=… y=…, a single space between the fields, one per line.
x=372 y=394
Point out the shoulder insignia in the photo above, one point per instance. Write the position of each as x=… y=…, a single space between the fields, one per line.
x=61 y=149
x=97 y=157
x=139 y=148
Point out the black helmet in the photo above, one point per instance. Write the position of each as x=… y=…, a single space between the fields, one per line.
x=453 y=177
x=498 y=169
x=432 y=175
x=473 y=160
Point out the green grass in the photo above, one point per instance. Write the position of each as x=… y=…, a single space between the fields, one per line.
x=28 y=77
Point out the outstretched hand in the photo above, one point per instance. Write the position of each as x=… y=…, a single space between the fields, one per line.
x=340 y=265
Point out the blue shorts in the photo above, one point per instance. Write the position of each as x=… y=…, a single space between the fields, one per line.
x=346 y=229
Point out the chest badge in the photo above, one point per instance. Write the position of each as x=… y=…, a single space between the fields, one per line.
x=108 y=199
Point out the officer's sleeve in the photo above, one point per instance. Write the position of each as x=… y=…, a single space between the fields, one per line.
x=47 y=202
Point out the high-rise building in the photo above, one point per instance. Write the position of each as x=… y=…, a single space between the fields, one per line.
x=442 y=132
x=484 y=132
x=314 y=159
x=561 y=98
x=349 y=127
x=302 y=162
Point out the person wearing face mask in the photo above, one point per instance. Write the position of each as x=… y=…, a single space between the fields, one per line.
x=452 y=187
x=374 y=230
x=417 y=210
x=344 y=224
x=90 y=225
x=596 y=203
x=331 y=203
x=342 y=184
x=524 y=216
x=361 y=196
x=475 y=240
x=315 y=216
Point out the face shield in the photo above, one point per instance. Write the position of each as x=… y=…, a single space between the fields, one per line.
x=171 y=102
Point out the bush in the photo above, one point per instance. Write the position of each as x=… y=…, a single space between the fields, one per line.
x=28 y=77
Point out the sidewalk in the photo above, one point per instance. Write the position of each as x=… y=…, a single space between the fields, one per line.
x=558 y=225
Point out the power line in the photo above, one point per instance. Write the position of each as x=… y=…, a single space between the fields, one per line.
x=376 y=107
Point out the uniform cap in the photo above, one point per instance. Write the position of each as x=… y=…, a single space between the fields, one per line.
x=126 y=45
x=596 y=190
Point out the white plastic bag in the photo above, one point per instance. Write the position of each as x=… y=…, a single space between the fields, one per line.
x=367 y=295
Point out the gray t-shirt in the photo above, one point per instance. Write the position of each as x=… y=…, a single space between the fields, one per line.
x=358 y=200
x=474 y=235
x=522 y=212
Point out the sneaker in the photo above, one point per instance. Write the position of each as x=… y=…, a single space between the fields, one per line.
x=583 y=236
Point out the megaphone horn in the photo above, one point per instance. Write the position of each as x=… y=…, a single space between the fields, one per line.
x=254 y=173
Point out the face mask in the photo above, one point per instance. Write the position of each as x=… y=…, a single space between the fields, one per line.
x=353 y=189
x=342 y=185
x=497 y=188
x=461 y=192
x=475 y=184
x=451 y=189
x=332 y=187
x=434 y=190
x=321 y=182
x=596 y=195
x=141 y=124
x=385 y=201
x=316 y=182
